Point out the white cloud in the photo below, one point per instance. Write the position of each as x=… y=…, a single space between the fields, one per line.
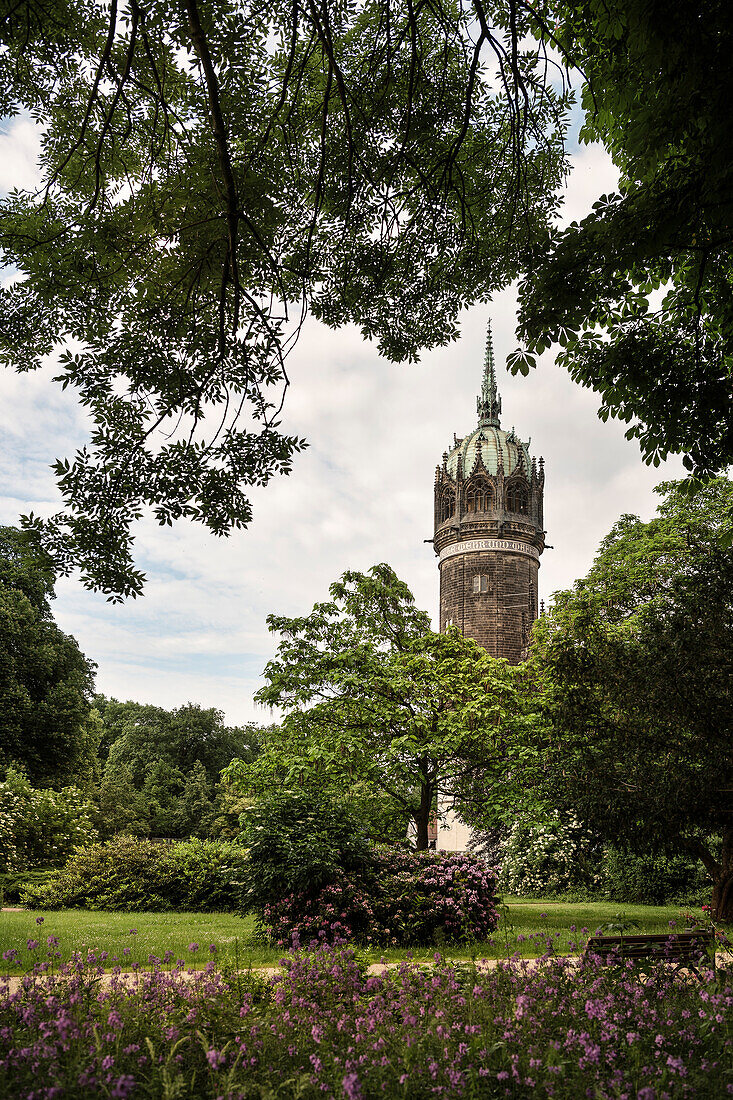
x=19 y=146
x=594 y=174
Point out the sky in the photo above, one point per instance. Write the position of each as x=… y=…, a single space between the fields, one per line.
x=361 y=493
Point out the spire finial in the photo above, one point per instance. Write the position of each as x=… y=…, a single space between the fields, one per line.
x=488 y=405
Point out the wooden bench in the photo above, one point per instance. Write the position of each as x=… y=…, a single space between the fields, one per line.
x=682 y=948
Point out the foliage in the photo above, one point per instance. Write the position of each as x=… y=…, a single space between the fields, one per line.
x=555 y=856
x=636 y=666
x=45 y=680
x=551 y=855
x=162 y=768
x=122 y=808
x=144 y=734
x=397 y=898
x=41 y=826
x=14 y=884
x=652 y=878
x=324 y=1027
x=298 y=841
x=196 y=807
x=371 y=695
x=160 y=796
x=205 y=170
x=130 y=874
x=638 y=293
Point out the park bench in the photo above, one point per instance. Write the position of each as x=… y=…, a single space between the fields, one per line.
x=681 y=948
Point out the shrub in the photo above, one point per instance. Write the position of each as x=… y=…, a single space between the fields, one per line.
x=204 y=875
x=550 y=855
x=131 y=874
x=299 y=841
x=398 y=898
x=648 y=878
x=40 y=826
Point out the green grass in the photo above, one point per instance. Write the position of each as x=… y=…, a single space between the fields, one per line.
x=156 y=933
x=143 y=934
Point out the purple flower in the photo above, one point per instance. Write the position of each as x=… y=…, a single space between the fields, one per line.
x=193 y=947
x=352 y=1088
x=122 y=1087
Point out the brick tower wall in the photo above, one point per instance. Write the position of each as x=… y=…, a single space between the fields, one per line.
x=498 y=616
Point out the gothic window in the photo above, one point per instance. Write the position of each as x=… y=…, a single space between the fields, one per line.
x=479 y=496
x=447 y=504
x=517 y=498
x=480 y=586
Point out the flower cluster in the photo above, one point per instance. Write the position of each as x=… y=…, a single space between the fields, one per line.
x=399 y=898
x=549 y=856
x=327 y=1028
x=40 y=825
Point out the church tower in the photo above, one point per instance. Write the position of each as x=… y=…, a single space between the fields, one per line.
x=489 y=530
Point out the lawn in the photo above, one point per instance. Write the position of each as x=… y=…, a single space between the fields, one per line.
x=134 y=937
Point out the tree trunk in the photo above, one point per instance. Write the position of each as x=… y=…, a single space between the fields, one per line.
x=422 y=821
x=722 y=900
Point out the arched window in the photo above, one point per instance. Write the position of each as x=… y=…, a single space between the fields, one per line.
x=479 y=496
x=517 y=498
x=447 y=505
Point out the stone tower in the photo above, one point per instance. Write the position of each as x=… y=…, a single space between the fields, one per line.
x=489 y=530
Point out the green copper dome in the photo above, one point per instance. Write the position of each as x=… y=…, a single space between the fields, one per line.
x=489 y=443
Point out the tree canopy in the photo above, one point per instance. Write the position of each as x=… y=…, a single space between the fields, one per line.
x=634 y=669
x=162 y=768
x=209 y=174
x=46 y=682
x=372 y=696
x=639 y=292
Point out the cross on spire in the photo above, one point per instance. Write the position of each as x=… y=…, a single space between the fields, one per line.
x=488 y=405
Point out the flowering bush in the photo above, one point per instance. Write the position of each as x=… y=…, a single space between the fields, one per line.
x=325 y=1028
x=553 y=855
x=40 y=826
x=400 y=897
x=557 y=855
x=131 y=874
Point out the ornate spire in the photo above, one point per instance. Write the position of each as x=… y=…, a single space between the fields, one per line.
x=488 y=405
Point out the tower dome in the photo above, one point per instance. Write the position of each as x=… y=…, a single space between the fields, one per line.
x=489 y=529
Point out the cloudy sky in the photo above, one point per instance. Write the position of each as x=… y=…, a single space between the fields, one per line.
x=361 y=493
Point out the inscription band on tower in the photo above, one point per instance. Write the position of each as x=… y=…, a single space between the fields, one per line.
x=511 y=546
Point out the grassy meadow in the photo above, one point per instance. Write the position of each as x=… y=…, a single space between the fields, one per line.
x=131 y=938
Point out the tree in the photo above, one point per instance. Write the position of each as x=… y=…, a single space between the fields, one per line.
x=41 y=826
x=372 y=695
x=161 y=795
x=145 y=734
x=635 y=667
x=195 y=808
x=209 y=175
x=45 y=680
x=121 y=806
x=173 y=760
x=638 y=293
